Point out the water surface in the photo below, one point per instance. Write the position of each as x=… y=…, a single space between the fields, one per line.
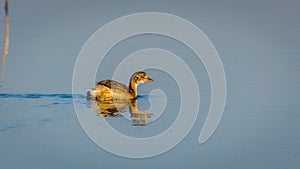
x=258 y=42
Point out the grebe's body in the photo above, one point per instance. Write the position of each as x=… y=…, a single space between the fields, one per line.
x=108 y=90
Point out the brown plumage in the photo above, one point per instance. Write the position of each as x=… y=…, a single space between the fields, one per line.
x=110 y=90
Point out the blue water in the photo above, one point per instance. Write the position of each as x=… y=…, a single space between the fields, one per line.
x=40 y=96
x=15 y=106
x=258 y=42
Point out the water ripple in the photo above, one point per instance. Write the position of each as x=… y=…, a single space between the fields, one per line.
x=38 y=96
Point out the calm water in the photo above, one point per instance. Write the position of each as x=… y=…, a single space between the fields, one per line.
x=258 y=42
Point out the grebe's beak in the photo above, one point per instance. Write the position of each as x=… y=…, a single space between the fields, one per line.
x=150 y=80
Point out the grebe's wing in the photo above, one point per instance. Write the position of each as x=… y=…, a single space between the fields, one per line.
x=113 y=85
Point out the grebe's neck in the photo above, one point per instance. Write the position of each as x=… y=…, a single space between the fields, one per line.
x=133 y=88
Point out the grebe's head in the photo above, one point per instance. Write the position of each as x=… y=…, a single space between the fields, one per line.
x=140 y=77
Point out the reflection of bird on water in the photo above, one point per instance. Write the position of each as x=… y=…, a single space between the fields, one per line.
x=108 y=90
x=115 y=109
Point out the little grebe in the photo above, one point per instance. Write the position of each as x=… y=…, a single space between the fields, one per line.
x=108 y=90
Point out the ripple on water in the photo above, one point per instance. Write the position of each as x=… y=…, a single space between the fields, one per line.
x=23 y=111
